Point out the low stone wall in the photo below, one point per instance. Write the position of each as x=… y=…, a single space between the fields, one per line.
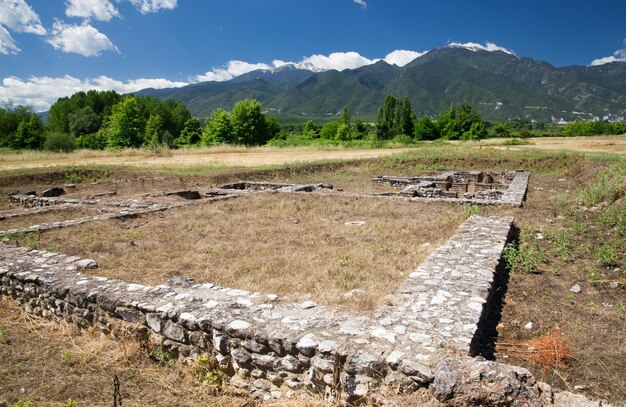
x=124 y=209
x=275 y=347
x=499 y=193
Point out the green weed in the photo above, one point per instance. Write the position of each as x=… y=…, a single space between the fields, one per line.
x=606 y=254
x=162 y=356
x=470 y=210
x=592 y=273
x=66 y=357
x=25 y=402
x=134 y=235
x=207 y=371
x=4 y=338
x=71 y=402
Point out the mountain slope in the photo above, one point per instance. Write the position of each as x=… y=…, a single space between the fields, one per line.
x=500 y=85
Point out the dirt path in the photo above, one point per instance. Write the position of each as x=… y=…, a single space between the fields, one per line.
x=234 y=157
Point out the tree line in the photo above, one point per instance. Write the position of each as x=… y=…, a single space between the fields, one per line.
x=106 y=119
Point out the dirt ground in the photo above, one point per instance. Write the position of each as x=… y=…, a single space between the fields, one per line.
x=572 y=231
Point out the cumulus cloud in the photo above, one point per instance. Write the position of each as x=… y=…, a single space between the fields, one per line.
x=618 y=56
x=152 y=6
x=42 y=92
x=488 y=46
x=18 y=16
x=361 y=3
x=7 y=45
x=79 y=39
x=232 y=69
x=337 y=60
x=102 y=10
x=402 y=57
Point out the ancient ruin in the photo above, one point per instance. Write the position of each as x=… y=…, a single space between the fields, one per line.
x=425 y=335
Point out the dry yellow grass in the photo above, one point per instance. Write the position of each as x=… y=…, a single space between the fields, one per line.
x=218 y=157
x=255 y=242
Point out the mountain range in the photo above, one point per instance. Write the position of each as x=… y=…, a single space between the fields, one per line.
x=499 y=84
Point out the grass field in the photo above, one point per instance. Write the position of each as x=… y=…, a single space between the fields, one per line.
x=572 y=231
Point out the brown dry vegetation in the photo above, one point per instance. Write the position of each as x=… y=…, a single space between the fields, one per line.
x=593 y=321
x=51 y=363
x=253 y=242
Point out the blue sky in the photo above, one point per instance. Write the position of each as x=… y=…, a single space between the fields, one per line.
x=52 y=48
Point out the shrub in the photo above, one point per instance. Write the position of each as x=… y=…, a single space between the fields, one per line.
x=93 y=141
x=59 y=142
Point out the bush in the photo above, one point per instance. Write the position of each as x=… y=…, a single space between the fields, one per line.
x=94 y=141
x=59 y=142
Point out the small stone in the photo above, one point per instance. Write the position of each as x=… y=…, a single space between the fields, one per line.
x=575 y=289
x=153 y=322
x=355 y=223
x=87 y=264
x=307 y=345
x=614 y=284
x=174 y=331
x=53 y=192
x=529 y=326
x=308 y=305
x=238 y=328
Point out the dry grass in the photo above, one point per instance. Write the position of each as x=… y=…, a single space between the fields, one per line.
x=224 y=156
x=548 y=351
x=253 y=242
x=51 y=363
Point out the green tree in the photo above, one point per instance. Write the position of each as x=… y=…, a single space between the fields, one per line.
x=343 y=132
x=386 y=116
x=272 y=125
x=10 y=118
x=191 y=134
x=126 y=124
x=329 y=130
x=310 y=130
x=425 y=129
x=249 y=124
x=83 y=121
x=345 y=116
x=404 y=118
x=154 y=134
x=219 y=129
x=447 y=124
x=360 y=129
x=29 y=133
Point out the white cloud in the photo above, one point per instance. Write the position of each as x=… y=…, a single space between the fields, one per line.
x=18 y=16
x=152 y=6
x=473 y=46
x=42 y=92
x=361 y=3
x=402 y=57
x=232 y=69
x=79 y=39
x=7 y=45
x=339 y=61
x=102 y=10
x=317 y=63
x=618 y=56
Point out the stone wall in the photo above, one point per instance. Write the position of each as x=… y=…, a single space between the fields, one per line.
x=465 y=187
x=275 y=347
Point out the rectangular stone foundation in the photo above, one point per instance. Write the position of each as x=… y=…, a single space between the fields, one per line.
x=274 y=347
